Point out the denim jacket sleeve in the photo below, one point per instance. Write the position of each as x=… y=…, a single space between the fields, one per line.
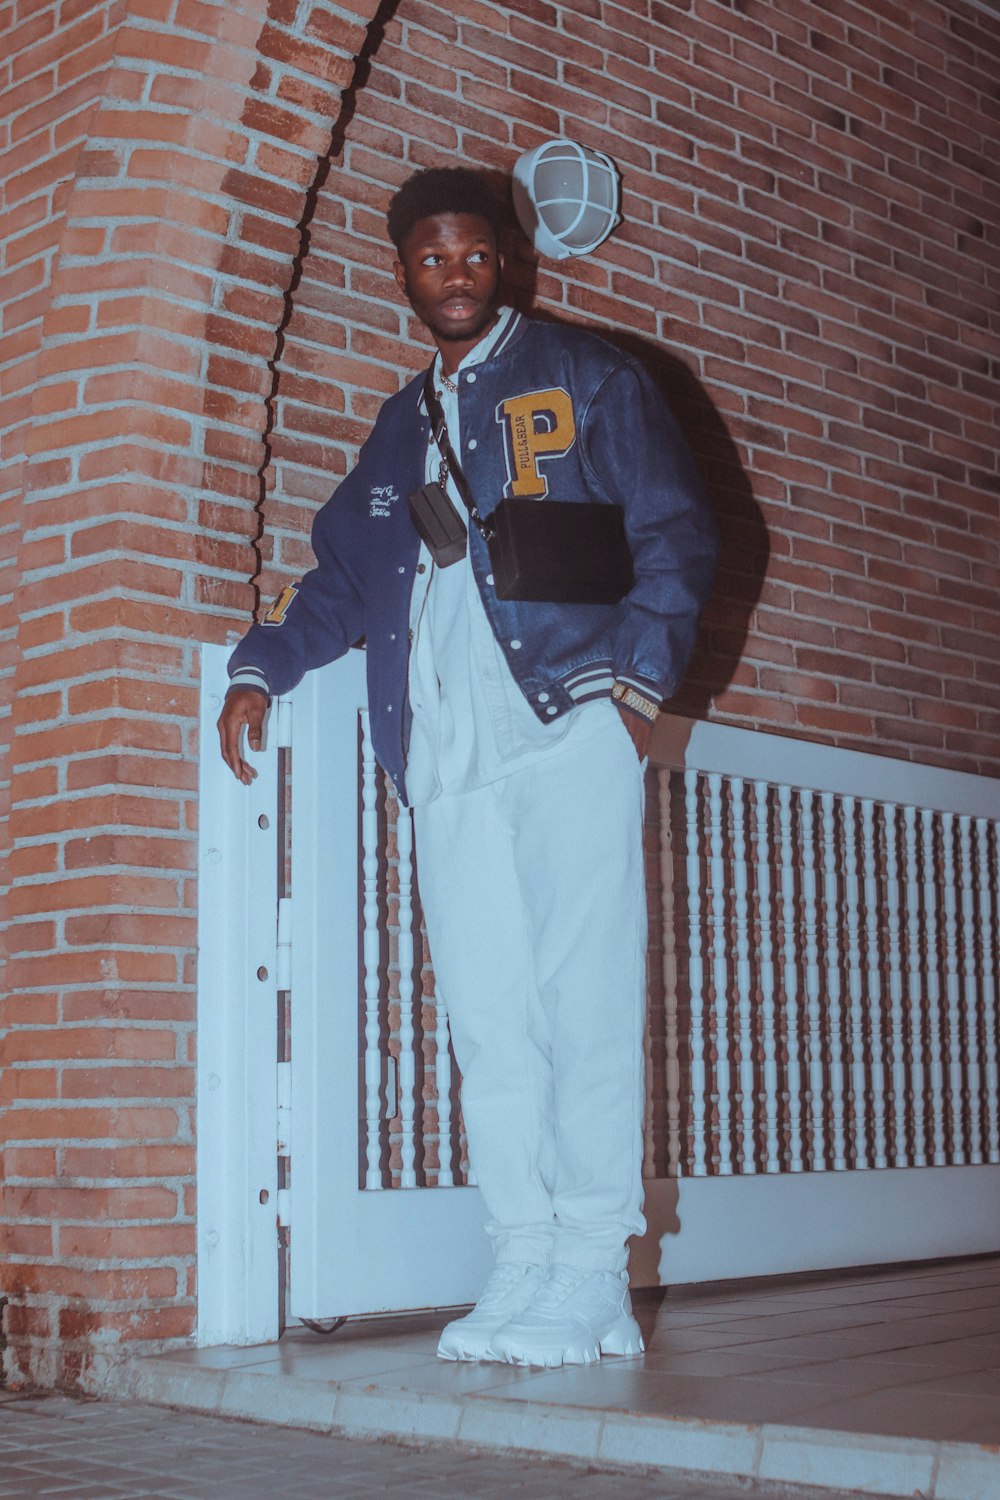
x=317 y=619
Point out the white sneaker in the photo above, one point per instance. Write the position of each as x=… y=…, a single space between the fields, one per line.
x=575 y=1318
x=508 y=1291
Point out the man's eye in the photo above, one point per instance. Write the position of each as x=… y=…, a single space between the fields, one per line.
x=479 y=255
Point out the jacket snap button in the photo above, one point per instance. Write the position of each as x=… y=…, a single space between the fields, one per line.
x=551 y=709
x=543 y=697
x=470 y=379
x=515 y=645
x=489 y=578
x=472 y=443
x=400 y=570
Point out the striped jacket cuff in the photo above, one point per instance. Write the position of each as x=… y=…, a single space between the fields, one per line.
x=250 y=677
x=593 y=681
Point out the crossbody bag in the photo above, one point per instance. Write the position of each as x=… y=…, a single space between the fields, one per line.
x=541 y=551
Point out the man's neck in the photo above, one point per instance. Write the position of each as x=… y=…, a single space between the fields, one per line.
x=452 y=353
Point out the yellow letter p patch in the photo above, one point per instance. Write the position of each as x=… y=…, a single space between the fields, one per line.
x=537 y=426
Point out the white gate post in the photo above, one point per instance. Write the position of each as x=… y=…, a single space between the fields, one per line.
x=237 y=1029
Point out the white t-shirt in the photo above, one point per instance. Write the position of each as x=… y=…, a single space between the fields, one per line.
x=471 y=722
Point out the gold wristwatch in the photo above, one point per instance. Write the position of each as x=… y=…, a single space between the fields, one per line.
x=630 y=697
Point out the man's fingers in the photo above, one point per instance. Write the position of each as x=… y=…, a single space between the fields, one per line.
x=242 y=707
x=255 y=724
x=227 y=743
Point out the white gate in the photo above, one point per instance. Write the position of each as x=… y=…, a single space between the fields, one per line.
x=821 y=1051
x=374 y=1094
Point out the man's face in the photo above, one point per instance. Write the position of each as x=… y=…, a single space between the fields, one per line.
x=449 y=268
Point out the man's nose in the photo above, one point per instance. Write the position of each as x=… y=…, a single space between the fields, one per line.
x=458 y=273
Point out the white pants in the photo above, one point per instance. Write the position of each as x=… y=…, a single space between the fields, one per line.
x=534 y=894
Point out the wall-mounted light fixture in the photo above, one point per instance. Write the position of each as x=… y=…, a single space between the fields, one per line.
x=567 y=197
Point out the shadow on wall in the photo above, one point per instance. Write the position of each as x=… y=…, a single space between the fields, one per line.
x=745 y=545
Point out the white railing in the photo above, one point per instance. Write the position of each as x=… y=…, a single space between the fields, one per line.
x=829 y=979
x=826 y=995
x=414 y=1131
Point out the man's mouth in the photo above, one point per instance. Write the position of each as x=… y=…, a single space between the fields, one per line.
x=460 y=307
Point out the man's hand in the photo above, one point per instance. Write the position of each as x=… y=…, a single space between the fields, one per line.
x=640 y=729
x=242 y=706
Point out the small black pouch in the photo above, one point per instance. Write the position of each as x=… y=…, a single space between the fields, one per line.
x=559 y=551
x=439 y=524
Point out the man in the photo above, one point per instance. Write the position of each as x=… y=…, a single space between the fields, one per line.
x=517 y=732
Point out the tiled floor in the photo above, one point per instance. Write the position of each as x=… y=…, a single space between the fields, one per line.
x=73 y=1450
x=882 y=1381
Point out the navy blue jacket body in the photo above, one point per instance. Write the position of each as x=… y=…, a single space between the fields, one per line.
x=556 y=412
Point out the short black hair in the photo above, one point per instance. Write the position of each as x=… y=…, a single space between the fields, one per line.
x=442 y=190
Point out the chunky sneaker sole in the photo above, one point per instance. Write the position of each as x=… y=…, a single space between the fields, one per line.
x=572 y=1320
x=506 y=1294
x=623 y=1339
x=456 y=1343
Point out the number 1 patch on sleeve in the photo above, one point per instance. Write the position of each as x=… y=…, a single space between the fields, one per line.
x=279 y=609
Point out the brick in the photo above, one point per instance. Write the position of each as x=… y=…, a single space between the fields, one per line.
x=19 y=1084
x=132 y=695
x=81 y=1123
x=33 y=859
x=124 y=1283
x=136 y=1242
x=151 y=1323
x=120 y=1082
x=132 y=771
x=28 y=1323
x=86 y=1042
x=99 y=734
x=29 y=1161
x=83 y=891
x=56 y=968
x=30 y=937
x=36 y=708
x=160 y=932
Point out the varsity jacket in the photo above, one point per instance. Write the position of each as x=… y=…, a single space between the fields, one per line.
x=553 y=412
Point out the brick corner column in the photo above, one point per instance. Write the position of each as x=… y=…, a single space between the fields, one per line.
x=146 y=325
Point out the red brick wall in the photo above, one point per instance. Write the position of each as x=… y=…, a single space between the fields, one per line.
x=811 y=231
x=158 y=170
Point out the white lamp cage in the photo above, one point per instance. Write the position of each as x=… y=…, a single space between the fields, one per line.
x=567 y=197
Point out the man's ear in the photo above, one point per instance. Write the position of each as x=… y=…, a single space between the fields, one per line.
x=399 y=271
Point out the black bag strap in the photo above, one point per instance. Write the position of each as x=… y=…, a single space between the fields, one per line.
x=449 y=458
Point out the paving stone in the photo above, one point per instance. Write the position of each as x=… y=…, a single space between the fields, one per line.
x=185 y=1457
x=868 y=1355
